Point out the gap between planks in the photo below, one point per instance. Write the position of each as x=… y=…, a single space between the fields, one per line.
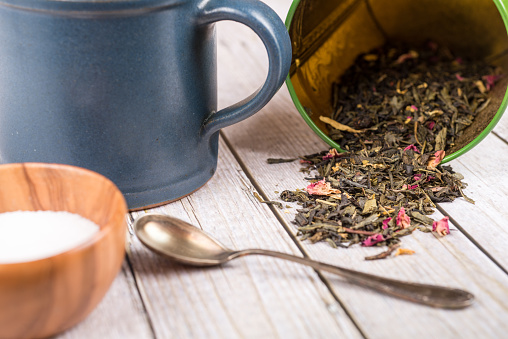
x=135 y=277
x=471 y=238
x=286 y=227
x=500 y=137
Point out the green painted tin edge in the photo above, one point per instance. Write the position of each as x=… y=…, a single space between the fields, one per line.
x=502 y=8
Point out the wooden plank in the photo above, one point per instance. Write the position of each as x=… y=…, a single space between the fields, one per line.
x=278 y=131
x=253 y=297
x=119 y=315
x=487 y=178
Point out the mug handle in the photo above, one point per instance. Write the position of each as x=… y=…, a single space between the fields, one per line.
x=270 y=28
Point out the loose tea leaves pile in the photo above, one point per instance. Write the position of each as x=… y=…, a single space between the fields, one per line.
x=373 y=197
x=397 y=111
x=394 y=97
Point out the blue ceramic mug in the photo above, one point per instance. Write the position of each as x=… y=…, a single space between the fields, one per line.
x=126 y=88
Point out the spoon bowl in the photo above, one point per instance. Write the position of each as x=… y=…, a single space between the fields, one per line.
x=179 y=241
x=190 y=245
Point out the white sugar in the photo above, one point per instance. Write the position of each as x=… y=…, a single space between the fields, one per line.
x=27 y=235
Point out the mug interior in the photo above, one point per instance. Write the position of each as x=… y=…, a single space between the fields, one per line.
x=327 y=36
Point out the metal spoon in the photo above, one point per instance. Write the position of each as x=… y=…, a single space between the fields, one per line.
x=187 y=244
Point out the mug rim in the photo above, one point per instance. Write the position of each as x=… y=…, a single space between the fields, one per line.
x=502 y=10
x=91 y=9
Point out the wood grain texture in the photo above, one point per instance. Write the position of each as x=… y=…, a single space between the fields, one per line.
x=253 y=297
x=43 y=297
x=278 y=131
x=119 y=315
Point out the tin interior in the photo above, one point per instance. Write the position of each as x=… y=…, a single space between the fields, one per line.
x=328 y=35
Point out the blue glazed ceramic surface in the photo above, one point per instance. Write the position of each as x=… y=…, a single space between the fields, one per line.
x=125 y=88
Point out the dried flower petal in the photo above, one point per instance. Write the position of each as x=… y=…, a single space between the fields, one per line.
x=403 y=220
x=431 y=125
x=412 y=108
x=441 y=226
x=385 y=223
x=437 y=189
x=490 y=80
x=321 y=188
x=411 y=55
x=409 y=187
x=417 y=177
x=404 y=251
x=332 y=153
x=459 y=77
x=412 y=148
x=436 y=159
x=373 y=239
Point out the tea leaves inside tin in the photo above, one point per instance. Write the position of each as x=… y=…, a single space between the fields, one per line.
x=396 y=96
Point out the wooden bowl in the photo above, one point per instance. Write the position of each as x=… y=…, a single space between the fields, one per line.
x=44 y=297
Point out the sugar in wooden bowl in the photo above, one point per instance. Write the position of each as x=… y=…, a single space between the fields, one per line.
x=63 y=232
x=33 y=235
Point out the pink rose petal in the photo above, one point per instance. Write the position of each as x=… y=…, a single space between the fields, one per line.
x=436 y=159
x=412 y=148
x=437 y=189
x=331 y=154
x=459 y=77
x=385 y=223
x=373 y=239
x=490 y=80
x=321 y=188
x=403 y=220
x=417 y=177
x=441 y=226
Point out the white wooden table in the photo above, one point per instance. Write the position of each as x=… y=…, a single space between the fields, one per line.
x=260 y=297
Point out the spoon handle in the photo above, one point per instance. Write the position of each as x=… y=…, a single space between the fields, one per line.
x=436 y=296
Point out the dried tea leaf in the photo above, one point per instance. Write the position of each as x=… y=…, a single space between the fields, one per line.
x=441 y=139
x=422 y=218
x=370 y=206
x=338 y=125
